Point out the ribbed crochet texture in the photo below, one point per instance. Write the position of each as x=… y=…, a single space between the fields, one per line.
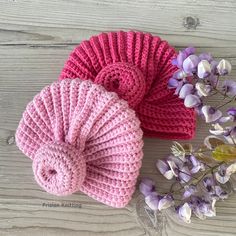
x=82 y=137
x=137 y=66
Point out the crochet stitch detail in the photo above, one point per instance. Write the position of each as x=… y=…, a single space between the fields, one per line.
x=124 y=79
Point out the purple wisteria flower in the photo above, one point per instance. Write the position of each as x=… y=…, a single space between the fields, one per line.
x=219 y=130
x=206 y=56
x=181 y=83
x=220 y=193
x=214 y=70
x=171 y=163
x=203 y=89
x=184 y=212
x=211 y=114
x=165 y=202
x=173 y=83
x=202 y=208
x=179 y=74
x=204 y=69
x=232 y=113
x=182 y=170
x=189 y=190
x=157 y=202
x=192 y=100
x=231 y=135
x=190 y=50
x=184 y=175
x=214 y=190
x=190 y=64
x=233 y=131
x=198 y=110
x=147 y=186
x=225 y=119
x=211 y=80
x=221 y=175
x=182 y=56
x=231 y=169
x=224 y=173
x=224 y=67
x=194 y=164
x=229 y=87
x=185 y=90
x=152 y=200
x=167 y=168
x=209 y=183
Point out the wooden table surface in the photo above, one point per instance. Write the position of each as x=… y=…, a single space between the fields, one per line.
x=35 y=39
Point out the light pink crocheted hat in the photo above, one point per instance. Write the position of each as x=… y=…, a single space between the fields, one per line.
x=137 y=66
x=81 y=137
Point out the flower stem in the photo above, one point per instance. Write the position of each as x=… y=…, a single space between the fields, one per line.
x=231 y=100
x=233 y=140
x=199 y=179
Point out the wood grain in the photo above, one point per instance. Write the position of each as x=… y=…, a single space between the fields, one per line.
x=35 y=39
x=60 y=21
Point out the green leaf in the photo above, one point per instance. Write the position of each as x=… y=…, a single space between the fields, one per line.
x=225 y=153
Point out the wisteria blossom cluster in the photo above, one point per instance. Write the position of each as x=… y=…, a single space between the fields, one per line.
x=201 y=175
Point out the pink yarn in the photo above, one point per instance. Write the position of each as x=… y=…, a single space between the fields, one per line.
x=82 y=137
x=137 y=66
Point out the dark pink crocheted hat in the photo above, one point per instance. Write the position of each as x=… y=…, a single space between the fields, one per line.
x=137 y=66
x=81 y=137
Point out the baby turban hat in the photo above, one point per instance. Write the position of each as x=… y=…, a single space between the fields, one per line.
x=137 y=66
x=82 y=137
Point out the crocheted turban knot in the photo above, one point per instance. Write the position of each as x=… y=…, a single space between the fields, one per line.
x=137 y=66
x=82 y=137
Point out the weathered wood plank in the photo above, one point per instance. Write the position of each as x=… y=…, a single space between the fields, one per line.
x=202 y=23
x=35 y=39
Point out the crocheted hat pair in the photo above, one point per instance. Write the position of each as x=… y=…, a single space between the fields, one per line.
x=83 y=131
